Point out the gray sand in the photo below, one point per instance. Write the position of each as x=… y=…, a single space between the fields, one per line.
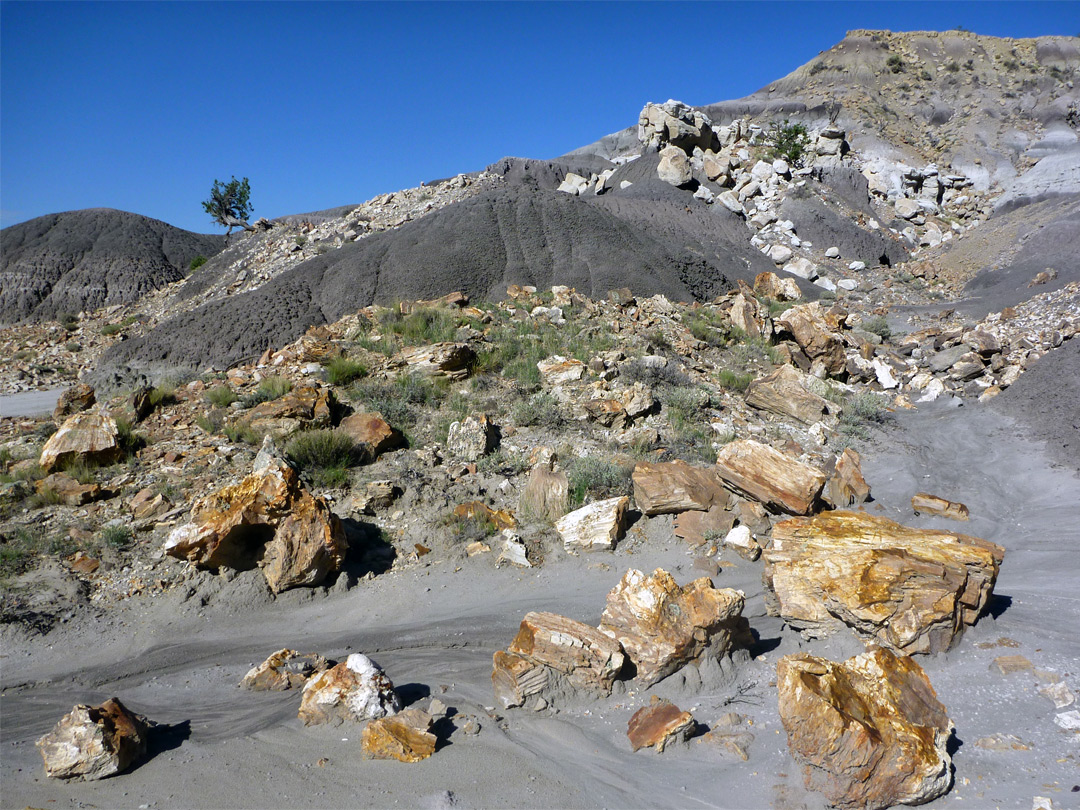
x=29 y=403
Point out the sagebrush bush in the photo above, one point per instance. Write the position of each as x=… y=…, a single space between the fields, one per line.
x=116 y=537
x=343 y=370
x=600 y=478
x=540 y=409
x=324 y=455
x=221 y=396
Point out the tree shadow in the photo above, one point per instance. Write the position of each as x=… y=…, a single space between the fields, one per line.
x=997 y=604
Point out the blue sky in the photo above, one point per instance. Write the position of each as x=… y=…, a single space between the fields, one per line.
x=140 y=106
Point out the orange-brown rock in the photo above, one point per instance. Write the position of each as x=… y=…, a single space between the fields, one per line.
x=696 y=527
x=92 y=742
x=373 y=433
x=933 y=505
x=870 y=732
x=784 y=392
x=662 y=626
x=744 y=315
x=521 y=681
x=354 y=690
x=846 y=486
x=476 y=510
x=770 y=285
x=658 y=725
x=597 y=526
x=75 y=399
x=69 y=491
x=767 y=475
x=90 y=436
x=303 y=407
x=545 y=493
x=557 y=370
x=909 y=590
x=807 y=324
x=607 y=412
x=146 y=503
x=451 y=360
x=286 y=669
x=268 y=519
x=405 y=736
x=676 y=486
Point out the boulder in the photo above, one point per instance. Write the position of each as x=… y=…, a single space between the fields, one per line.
x=147 y=503
x=658 y=725
x=696 y=527
x=545 y=493
x=770 y=285
x=744 y=315
x=92 y=742
x=451 y=360
x=596 y=526
x=784 y=392
x=662 y=626
x=480 y=511
x=870 y=732
x=372 y=433
x=355 y=690
x=303 y=407
x=73 y=400
x=730 y=202
x=286 y=669
x=557 y=370
x=933 y=505
x=909 y=590
x=674 y=168
x=767 y=475
x=906 y=208
x=70 y=491
x=268 y=519
x=472 y=437
x=807 y=324
x=742 y=542
x=801 y=267
x=90 y=436
x=847 y=487
x=405 y=736
x=676 y=486
x=573 y=184
x=676 y=124
x=780 y=254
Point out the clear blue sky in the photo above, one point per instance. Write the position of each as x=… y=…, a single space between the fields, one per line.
x=140 y=106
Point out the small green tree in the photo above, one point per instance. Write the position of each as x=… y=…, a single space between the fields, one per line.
x=230 y=204
x=788 y=141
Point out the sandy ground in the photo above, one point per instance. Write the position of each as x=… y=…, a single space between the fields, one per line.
x=30 y=403
x=435 y=628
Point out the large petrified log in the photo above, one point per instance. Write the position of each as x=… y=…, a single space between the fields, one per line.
x=676 y=486
x=90 y=436
x=763 y=474
x=405 y=736
x=808 y=325
x=870 y=732
x=910 y=590
x=663 y=626
x=92 y=742
x=356 y=690
x=783 y=392
x=596 y=526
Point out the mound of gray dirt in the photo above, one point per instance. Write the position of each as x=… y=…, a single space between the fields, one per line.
x=83 y=260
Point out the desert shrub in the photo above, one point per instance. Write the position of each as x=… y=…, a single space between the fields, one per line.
x=196 y=263
x=895 y=64
x=666 y=376
x=23 y=354
x=343 y=370
x=269 y=389
x=952 y=67
x=925 y=75
x=817 y=67
x=788 y=141
x=709 y=326
x=733 y=380
x=753 y=348
x=221 y=396
x=600 y=478
x=69 y=321
x=878 y=325
x=127 y=438
x=503 y=462
x=324 y=454
x=469 y=528
x=110 y=329
x=116 y=536
x=241 y=433
x=81 y=470
x=164 y=394
x=73 y=346
x=859 y=412
x=538 y=410
x=18 y=549
x=210 y=422
x=420 y=327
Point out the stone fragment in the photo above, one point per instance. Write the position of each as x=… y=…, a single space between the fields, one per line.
x=374 y=496
x=77 y=398
x=286 y=669
x=770 y=285
x=514 y=551
x=675 y=486
x=1059 y=693
x=303 y=407
x=269 y=519
x=557 y=370
x=801 y=267
x=870 y=732
x=372 y=433
x=1002 y=742
x=588 y=658
x=662 y=626
x=744 y=315
x=730 y=202
x=146 y=503
x=472 y=437
x=674 y=168
x=596 y=526
x=355 y=690
x=405 y=736
x=1012 y=664
x=92 y=742
x=450 y=360
x=784 y=392
x=573 y=184
x=696 y=527
x=1070 y=721
x=769 y=476
x=906 y=208
x=69 y=491
x=89 y=436
x=807 y=324
x=933 y=505
x=742 y=542
x=780 y=254
x=478 y=510
x=910 y=590
x=847 y=487
x=658 y=725
x=545 y=493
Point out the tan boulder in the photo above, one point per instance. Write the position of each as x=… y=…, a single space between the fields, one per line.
x=767 y=475
x=557 y=370
x=870 y=732
x=909 y=590
x=807 y=324
x=268 y=519
x=69 y=491
x=75 y=399
x=696 y=527
x=303 y=407
x=658 y=725
x=744 y=315
x=784 y=392
x=662 y=626
x=846 y=486
x=607 y=412
x=546 y=492
x=521 y=681
x=92 y=742
x=596 y=526
x=355 y=690
x=770 y=285
x=405 y=736
x=90 y=436
x=676 y=486
x=472 y=437
x=286 y=669
x=451 y=360
x=373 y=433
x=933 y=505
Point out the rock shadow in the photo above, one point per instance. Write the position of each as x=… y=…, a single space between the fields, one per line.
x=369 y=550
x=760 y=645
x=162 y=737
x=997 y=604
x=410 y=693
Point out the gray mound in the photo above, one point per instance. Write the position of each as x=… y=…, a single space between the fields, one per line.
x=479 y=246
x=823 y=226
x=83 y=260
x=546 y=174
x=317 y=217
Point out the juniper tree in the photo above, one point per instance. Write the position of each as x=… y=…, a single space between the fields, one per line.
x=230 y=204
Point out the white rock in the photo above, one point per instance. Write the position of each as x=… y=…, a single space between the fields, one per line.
x=595 y=526
x=885 y=377
x=730 y=202
x=513 y=550
x=905 y=208
x=934 y=389
x=573 y=184
x=801 y=267
x=1070 y=721
x=703 y=193
x=781 y=168
x=832 y=253
x=739 y=538
x=857 y=266
x=762 y=171
x=848 y=284
x=625 y=184
x=825 y=284
x=780 y=253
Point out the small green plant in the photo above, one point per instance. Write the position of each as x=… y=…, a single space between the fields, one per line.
x=894 y=63
x=110 y=329
x=817 y=67
x=221 y=396
x=925 y=75
x=709 y=326
x=73 y=346
x=241 y=434
x=46 y=429
x=860 y=411
x=469 y=528
x=788 y=141
x=269 y=389
x=81 y=470
x=116 y=537
x=196 y=263
x=127 y=438
x=733 y=380
x=343 y=370
x=162 y=395
x=422 y=326
x=878 y=325
x=68 y=321
x=597 y=477
x=210 y=422
x=18 y=549
x=324 y=455
x=539 y=409
x=952 y=67
x=45 y=496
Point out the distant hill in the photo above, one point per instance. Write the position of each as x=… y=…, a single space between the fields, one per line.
x=83 y=260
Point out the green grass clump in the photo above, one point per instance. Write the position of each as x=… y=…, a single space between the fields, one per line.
x=420 y=327
x=540 y=409
x=269 y=389
x=110 y=329
x=164 y=394
x=343 y=370
x=324 y=455
x=596 y=477
x=709 y=326
x=221 y=396
x=399 y=400
x=733 y=380
x=241 y=434
x=503 y=462
x=116 y=537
